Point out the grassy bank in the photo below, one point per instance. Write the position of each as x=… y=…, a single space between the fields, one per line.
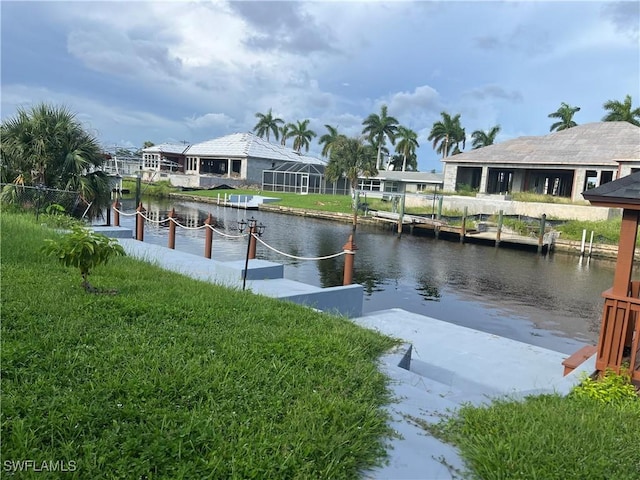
x=547 y=437
x=175 y=378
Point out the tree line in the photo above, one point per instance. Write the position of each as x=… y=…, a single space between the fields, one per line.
x=447 y=134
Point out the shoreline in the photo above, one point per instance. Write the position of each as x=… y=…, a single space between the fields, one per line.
x=571 y=247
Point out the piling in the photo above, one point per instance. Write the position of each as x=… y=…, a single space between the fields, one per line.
x=208 y=235
x=172 y=229
x=543 y=220
x=499 y=231
x=463 y=230
x=350 y=253
x=140 y=222
x=116 y=213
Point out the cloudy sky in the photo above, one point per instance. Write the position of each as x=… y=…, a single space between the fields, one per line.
x=192 y=71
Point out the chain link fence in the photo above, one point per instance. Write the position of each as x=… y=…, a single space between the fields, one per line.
x=41 y=199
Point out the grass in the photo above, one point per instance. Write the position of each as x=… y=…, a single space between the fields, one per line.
x=176 y=378
x=540 y=198
x=547 y=437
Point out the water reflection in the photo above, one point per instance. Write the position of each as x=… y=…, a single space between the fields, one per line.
x=517 y=294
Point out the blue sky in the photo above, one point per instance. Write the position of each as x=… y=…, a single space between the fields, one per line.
x=192 y=71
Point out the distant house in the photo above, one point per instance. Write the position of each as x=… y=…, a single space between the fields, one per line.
x=166 y=157
x=401 y=182
x=564 y=163
x=236 y=159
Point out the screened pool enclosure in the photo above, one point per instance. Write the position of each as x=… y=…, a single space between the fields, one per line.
x=303 y=178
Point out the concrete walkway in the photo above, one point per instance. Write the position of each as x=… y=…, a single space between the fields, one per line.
x=439 y=367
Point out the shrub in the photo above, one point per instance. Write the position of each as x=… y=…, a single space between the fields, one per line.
x=85 y=250
x=610 y=388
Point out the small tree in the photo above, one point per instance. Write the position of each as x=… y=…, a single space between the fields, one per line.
x=351 y=158
x=85 y=250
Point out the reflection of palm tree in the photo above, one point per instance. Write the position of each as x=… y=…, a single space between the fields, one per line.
x=378 y=128
x=301 y=135
x=446 y=134
x=484 y=139
x=407 y=144
x=267 y=123
x=621 y=112
x=565 y=113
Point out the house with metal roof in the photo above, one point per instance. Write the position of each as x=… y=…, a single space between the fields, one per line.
x=563 y=163
x=236 y=159
x=390 y=181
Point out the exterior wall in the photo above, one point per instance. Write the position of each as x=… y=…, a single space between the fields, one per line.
x=450 y=175
x=579 y=177
x=252 y=169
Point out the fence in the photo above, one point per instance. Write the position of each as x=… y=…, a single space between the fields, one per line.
x=41 y=199
x=249 y=230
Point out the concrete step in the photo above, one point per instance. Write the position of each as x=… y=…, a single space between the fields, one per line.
x=263 y=278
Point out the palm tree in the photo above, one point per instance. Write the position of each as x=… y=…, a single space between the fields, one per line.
x=378 y=128
x=621 y=112
x=565 y=113
x=484 y=139
x=410 y=163
x=447 y=134
x=301 y=135
x=48 y=146
x=266 y=124
x=284 y=131
x=351 y=158
x=329 y=139
x=407 y=144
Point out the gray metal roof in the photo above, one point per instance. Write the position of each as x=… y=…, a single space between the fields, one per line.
x=176 y=148
x=409 y=177
x=248 y=145
x=625 y=190
x=601 y=143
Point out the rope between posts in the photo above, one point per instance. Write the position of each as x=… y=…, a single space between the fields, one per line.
x=152 y=220
x=294 y=256
x=125 y=214
x=242 y=235
x=184 y=226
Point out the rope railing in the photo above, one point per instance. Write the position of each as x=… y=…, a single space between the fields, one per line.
x=295 y=257
x=253 y=237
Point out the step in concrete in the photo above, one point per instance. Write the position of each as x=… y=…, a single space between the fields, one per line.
x=263 y=278
x=476 y=362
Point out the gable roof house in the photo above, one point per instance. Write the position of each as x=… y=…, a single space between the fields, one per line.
x=236 y=159
x=563 y=163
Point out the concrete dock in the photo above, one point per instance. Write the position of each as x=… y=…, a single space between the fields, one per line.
x=438 y=367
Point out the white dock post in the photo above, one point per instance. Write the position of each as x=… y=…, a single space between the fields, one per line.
x=584 y=238
x=591 y=243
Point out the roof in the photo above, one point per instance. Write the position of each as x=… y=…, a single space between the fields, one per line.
x=600 y=143
x=176 y=148
x=249 y=145
x=409 y=177
x=620 y=193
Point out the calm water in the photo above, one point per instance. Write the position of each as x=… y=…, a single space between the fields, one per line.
x=553 y=300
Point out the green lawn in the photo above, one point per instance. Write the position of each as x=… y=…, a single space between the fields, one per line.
x=547 y=437
x=175 y=378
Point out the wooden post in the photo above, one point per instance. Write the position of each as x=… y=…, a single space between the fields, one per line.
x=499 y=232
x=626 y=249
x=440 y=207
x=172 y=229
x=252 y=241
x=350 y=252
x=400 y=217
x=108 y=217
x=140 y=211
x=463 y=230
x=208 y=235
x=116 y=213
x=543 y=220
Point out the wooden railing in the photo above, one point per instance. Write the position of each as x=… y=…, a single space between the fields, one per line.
x=619 y=341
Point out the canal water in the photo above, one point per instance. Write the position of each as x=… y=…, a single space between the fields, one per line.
x=553 y=300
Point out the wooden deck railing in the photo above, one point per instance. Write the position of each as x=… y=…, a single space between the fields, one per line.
x=619 y=341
